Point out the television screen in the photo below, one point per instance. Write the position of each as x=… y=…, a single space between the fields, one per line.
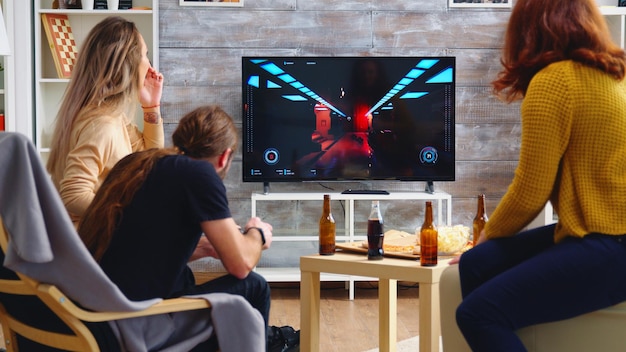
x=348 y=118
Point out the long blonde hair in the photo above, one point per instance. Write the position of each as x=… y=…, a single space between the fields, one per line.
x=203 y=133
x=104 y=82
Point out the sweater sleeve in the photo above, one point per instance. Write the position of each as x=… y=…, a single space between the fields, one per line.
x=151 y=137
x=546 y=123
x=99 y=145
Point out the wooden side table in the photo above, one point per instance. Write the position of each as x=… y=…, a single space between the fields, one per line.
x=388 y=271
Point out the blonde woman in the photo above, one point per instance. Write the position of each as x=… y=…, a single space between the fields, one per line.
x=94 y=127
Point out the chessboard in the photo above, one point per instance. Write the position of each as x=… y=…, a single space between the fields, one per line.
x=61 y=41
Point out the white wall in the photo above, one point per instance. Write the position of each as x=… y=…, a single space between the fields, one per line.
x=19 y=88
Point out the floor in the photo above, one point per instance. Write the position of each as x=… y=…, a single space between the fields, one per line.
x=347 y=326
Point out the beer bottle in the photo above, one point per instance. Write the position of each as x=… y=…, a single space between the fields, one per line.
x=375 y=233
x=327 y=229
x=480 y=219
x=428 y=238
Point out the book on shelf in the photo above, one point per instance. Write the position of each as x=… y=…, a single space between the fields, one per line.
x=61 y=42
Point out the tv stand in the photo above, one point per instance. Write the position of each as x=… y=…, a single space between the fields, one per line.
x=364 y=191
x=430 y=187
x=297 y=242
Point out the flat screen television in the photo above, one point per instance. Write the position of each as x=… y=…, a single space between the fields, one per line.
x=348 y=118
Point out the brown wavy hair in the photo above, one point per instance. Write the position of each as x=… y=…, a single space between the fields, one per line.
x=541 y=32
x=204 y=133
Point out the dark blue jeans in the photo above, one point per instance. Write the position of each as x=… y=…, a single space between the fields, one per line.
x=254 y=288
x=514 y=282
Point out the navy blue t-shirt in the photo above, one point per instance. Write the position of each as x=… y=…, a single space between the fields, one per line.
x=160 y=228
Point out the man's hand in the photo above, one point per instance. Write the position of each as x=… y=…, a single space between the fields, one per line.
x=267 y=229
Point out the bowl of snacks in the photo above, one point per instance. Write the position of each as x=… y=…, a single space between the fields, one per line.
x=451 y=240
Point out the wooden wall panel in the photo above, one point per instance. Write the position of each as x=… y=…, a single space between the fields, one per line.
x=222 y=66
x=264 y=29
x=479 y=105
x=209 y=66
x=482 y=142
x=179 y=100
x=388 y=5
x=200 y=56
x=483 y=29
x=286 y=5
x=476 y=66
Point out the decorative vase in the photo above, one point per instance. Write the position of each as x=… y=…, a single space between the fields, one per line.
x=87 y=4
x=70 y=4
x=113 y=4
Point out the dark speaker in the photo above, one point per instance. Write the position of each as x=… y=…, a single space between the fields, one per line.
x=100 y=5
x=126 y=4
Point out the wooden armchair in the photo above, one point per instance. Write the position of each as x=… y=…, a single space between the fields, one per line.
x=45 y=262
x=72 y=315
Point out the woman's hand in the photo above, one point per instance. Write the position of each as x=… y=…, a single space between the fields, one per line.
x=455 y=260
x=150 y=95
x=482 y=237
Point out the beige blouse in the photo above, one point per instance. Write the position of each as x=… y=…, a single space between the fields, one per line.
x=96 y=146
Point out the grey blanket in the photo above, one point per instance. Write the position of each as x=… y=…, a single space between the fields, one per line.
x=45 y=246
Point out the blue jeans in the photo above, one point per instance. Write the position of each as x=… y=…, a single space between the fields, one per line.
x=510 y=283
x=254 y=288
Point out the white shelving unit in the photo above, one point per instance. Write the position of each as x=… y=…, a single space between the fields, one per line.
x=18 y=108
x=277 y=274
x=49 y=89
x=616 y=20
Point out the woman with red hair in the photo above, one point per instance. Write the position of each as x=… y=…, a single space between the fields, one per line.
x=559 y=59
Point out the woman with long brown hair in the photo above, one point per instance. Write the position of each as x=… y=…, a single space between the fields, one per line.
x=94 y=126
x=154 y=208
x=559 y=59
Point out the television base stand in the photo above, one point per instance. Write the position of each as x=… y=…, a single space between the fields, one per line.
x=281 y=263
x=430 y=187
x=364 y=191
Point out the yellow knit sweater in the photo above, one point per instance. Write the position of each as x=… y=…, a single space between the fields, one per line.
x=573 y=153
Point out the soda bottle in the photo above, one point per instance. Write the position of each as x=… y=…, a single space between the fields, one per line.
x=375 y=234
x=327 y=229
x=480 y=219
x=428 y=238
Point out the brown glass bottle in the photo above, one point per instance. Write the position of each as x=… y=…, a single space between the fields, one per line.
x=375 y=233
x=480 y=219
x=428 y=238
x=327 y=229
